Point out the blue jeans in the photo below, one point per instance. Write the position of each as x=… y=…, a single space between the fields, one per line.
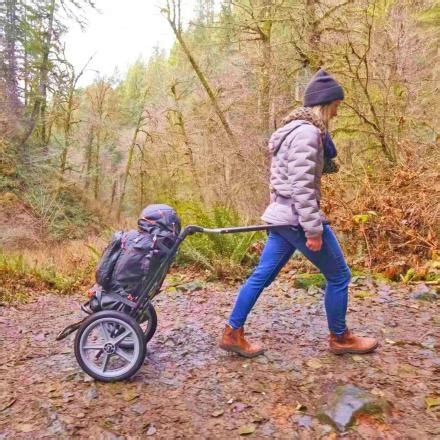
x=279 y=247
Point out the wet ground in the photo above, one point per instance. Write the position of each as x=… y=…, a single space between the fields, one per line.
x=190 y=389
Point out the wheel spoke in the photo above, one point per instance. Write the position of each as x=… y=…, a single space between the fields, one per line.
x=93 y=347
x=119 y=338
x=105 y=362
x=121 y=353
x=104 y=332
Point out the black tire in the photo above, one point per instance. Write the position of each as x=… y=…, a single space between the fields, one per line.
x=152 y=322
x=150 y=318
x=112 y=319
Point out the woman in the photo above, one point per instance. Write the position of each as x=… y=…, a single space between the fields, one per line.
x=298 y=151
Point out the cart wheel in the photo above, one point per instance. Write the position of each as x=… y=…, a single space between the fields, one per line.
x=148 y=326
x=149 y=323
x=98 y=346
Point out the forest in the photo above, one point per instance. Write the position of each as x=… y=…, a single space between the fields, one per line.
x=189 y=127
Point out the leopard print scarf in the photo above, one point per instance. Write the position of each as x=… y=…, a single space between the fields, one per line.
x=306 y=114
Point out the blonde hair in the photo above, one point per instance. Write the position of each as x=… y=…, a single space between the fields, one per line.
x=324 y=112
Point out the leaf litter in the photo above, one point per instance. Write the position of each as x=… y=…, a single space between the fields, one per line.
x=212 y=394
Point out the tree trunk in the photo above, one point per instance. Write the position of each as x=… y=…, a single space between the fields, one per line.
x=11 y=74
x=178 y=33
x=97 y=167
x=67 y=126
x=139 y=123
x=89 y=155
x=180 y=122
x=265 y=74
x=39 y=108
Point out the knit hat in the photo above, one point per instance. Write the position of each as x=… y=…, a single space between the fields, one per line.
x=322 y=89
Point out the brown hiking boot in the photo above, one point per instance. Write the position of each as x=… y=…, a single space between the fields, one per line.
x=234 y=341
x=349 y=343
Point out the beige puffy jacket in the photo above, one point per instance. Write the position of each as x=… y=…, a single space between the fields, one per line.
x=295 y=177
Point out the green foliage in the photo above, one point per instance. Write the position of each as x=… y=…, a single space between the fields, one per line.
x=19 y=279
x=365 y=217
x=306 y=280
x=220 y=254
x=431 y=17
x=409 y=275
x=61 y=213
x=8 y=184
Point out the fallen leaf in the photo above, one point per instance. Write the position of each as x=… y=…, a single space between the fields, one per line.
x=357 y=358
x=217 y=413
x=258 y=417
x=129 y=395
x=25 y=427
x=257 y=388
x=314 y=363
x=432 y=402
x=362 y=294
x=247 y=429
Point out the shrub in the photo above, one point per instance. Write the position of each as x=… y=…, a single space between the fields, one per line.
x=222 y=255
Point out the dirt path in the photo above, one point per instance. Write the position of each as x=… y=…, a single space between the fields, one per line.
x=188 y=388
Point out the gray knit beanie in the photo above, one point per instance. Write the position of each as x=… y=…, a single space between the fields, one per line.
x=322 y=89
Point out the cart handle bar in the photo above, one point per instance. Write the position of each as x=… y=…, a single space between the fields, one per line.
x=153 y=286
x=192 y=229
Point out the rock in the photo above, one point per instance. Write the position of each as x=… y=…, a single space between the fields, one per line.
x=305 y=421
x=150 y=429
x=420 y=288
x=192 y=286
x=139 y=408
x=247 y=429
x=423 y=293
x=346 y=402
x=267 y=430
x=261 y=360
x=91 y=394
x=314 y=290
x=426 y=296
x=436 y=362
x=57 y=428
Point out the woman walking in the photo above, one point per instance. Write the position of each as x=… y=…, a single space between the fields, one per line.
x=299 y=149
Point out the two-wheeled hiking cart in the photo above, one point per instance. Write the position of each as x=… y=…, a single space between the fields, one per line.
x=110 y=345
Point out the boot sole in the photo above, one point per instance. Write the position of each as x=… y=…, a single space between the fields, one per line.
x=240 y=352
x=353 y=351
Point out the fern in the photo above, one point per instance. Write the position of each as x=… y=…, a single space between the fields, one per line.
x=221 y=254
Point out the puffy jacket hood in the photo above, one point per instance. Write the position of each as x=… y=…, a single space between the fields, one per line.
x=279 y=136
x=159 y=216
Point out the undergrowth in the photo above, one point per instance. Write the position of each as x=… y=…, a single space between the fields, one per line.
x=23 y=275
x=222 y=255
x=387 y=219
x=59 y=208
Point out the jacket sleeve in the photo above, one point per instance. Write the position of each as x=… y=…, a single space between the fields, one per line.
x=302 y=157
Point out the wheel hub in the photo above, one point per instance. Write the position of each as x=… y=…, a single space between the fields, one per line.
x=109 y=348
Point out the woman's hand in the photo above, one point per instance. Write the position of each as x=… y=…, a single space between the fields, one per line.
x=314 y=243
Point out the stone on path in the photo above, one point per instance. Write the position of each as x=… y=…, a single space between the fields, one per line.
x=423 y=293
x=346 y=402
